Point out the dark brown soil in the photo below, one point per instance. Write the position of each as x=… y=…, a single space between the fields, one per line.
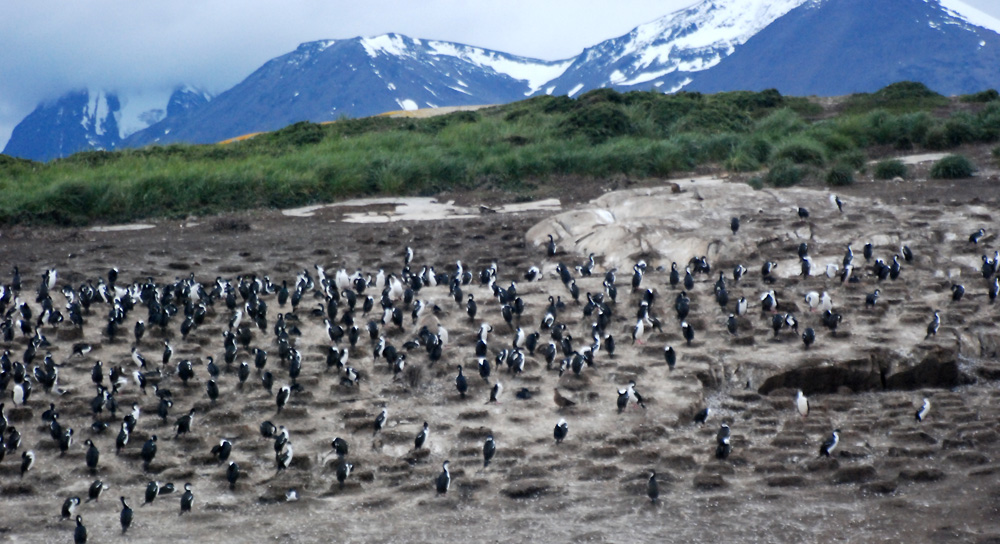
x=890 y=480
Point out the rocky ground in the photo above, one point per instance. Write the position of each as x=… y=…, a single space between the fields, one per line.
x=891 y=478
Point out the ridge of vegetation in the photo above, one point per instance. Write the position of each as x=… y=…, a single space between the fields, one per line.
x=513 y=147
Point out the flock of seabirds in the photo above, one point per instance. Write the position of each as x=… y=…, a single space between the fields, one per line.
x=363 y=315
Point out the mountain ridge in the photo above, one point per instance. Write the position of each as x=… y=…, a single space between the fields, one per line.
x=711 y=46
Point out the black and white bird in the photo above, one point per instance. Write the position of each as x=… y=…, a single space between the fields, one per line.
x=495 y=392
x=670 y=356
x=93 y=455
x=652 y=488
x=687 y=331
x=723 y=448
x=768 y=302
x=283 y=457
x=380 y=419
x=80 y=533
x=957 y=291
x=830 y=443
x=812 y=299
x=27 y=461
x=148 y=452
x=95 y=490
x=461 y=383
x=637 y=330
x=184 y=423
x=702 y=416
x=872 y=298
x=69 y=507
x=976 y=236
x=152 y=490
x=125 y=517
x=802 y=404
x=443 y=481
x=560 y=431
x=222 y=450
x=340 y=446
x=933 y=326
x=343 y=471
x=924 y=409
x=808 y=337
x=734 y=224
x=233 y=474
x=187 y=499
x=489 y=450
x=281 y=399
x=421 y=438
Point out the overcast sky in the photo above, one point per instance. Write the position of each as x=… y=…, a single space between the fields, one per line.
x=48 y=47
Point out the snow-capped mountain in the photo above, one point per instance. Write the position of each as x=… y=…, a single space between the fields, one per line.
x=326 y=80
x=804 y=47
x=88 y=119
x=664 y=53
x=78 y=120
x=835 y=47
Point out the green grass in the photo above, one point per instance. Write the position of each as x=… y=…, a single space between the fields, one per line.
x=514 y=148
x=889 y=169
x=953 y=167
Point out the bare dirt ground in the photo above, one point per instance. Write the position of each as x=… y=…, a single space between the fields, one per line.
x=891 y=479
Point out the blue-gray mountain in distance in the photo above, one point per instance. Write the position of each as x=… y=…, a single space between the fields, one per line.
x=837 y=47
x=84 y=120
x=327 y=80
x=800 y=47
x=71 y=124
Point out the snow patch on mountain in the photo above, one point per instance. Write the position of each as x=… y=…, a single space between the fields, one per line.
x=971 y=15
x=536 y=73
x=718 y=24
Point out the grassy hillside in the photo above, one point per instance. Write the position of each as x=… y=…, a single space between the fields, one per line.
x=512 y=147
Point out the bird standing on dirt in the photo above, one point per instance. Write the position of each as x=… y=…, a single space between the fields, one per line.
x=924 y=409
x=187 y=499
x=495 y=392
x=489 y=450
x=421 y=438
x=802 y=404
x=27 y=461
x=80 y=533
x=443 y=481
x=830 y=443
x=233 y=474
x=380 y=420
x=148 y=452
x=933 y=326
x=561 y=430
x=652 y=488
x=723 y=448
x=125 y=517
x=975 y=236
x=461 y=383
x=343 y=471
